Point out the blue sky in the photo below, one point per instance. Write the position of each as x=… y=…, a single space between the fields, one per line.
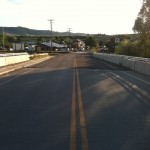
x=84 y=16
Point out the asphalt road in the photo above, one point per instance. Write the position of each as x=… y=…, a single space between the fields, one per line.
x=74 y=102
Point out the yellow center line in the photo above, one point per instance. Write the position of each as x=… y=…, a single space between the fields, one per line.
x=82 y=117
x=73 y=117
x=81 y=113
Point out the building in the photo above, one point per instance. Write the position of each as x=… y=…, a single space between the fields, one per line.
x=55 y=46
x=18 y=46
x=78 y=44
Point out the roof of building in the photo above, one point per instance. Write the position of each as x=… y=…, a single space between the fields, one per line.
x=53 y=44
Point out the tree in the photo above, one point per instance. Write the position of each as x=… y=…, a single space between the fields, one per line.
x=39 y=40
x=91 y=41
x=142 y=23
x=58 y=39
x=128 y=48
x=11 y=39
x=142 y=26
x=6 y=42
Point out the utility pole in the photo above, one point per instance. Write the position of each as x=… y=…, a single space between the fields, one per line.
x=51 y=27
x=69 y=30
x=3 y=40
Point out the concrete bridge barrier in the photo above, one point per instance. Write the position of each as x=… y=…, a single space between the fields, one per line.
x=12 y=58
x=138 y=64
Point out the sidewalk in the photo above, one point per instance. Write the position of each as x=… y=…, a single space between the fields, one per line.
x=7 y=69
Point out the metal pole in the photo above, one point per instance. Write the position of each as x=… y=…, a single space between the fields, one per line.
x=69 y=30
x=51 y=26
x=3 y=41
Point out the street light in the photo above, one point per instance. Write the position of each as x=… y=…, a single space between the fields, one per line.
x=51 y=27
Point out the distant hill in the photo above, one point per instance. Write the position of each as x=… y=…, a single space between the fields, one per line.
x=26 y=31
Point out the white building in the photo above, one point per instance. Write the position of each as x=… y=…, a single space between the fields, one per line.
x=18 y=46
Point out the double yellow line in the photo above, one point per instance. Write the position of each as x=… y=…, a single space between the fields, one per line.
x=76 y=80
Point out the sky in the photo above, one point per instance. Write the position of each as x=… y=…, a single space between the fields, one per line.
x=82 y=16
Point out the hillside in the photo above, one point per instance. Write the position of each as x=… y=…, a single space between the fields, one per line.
x=27 y=31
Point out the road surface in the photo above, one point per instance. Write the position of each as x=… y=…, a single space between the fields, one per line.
x=74 y=102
